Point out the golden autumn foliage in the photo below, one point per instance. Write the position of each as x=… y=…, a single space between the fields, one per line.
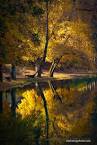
x=24 y=36
x=65 y=117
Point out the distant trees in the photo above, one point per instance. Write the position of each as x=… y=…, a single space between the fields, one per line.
x=2 y=46
x=12 y=39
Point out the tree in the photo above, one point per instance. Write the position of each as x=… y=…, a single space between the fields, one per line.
x=39 y=70
x=36 y=29
x=56 y=61
x=3 y=51
x=79 y=32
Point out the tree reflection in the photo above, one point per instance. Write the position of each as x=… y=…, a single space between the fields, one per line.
x=70 y=108
x=40 y=93
x=13 y=101
x=55 y=93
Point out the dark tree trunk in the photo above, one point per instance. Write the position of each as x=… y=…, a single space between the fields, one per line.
x=39 y=72
x=47 y=38
x=13 y=102
x=1 y=73
x=40 y=93
x=13 y=72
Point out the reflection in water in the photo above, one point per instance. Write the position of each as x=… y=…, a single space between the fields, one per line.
x=13 y=101
x=49 y=113
x=55 y=93
x=40 y=93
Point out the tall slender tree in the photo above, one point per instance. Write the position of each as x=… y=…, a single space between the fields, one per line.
x=43 y=59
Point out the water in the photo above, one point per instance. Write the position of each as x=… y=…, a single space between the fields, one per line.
x=49 y=113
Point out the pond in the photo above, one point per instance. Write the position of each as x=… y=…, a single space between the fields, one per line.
x=49 y=113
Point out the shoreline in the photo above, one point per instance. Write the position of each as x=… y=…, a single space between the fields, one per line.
x=21 y=82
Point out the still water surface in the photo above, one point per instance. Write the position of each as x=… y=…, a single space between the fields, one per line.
x=49 y=113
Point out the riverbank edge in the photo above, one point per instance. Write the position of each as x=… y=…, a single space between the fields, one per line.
x=22 y=82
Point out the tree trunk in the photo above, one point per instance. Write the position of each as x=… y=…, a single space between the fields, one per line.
x=1 y=73
x=39 y=72
x=53 y=66
x=38 y=69
x=46 y=43
x=13 y=72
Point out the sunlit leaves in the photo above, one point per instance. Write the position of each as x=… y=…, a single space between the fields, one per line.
x=27 y=105
x=26 y=30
